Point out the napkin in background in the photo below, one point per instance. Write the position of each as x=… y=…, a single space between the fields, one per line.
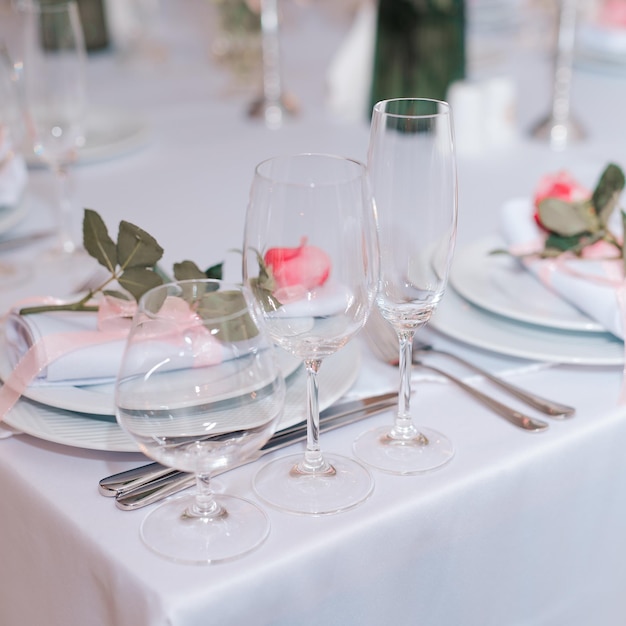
x=591 y=286
x=348 y=79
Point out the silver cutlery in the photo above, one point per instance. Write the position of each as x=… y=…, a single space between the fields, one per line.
x=332 y=417
x=549 y=407
x=508 y=413
x=382 y=340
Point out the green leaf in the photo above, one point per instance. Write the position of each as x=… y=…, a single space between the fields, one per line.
x=136 y=248
x=138 y=280
x=264 y=284
x=116 y=294
x=187 y=270
x=215 y=271
x=556 y=242
x=607 y=192
x=624 y=247
x=568 y=218
x=235 y=323
x=97 y=242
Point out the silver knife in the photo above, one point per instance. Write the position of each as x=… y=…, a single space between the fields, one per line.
x=174 y=482
x=123 y=482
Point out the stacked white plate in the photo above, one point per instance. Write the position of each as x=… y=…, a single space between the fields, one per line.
x=496 y=305
x=84 y=416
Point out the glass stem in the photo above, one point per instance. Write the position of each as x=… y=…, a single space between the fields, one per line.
x=64 y=209
x=313 y=462
x=403 y=427
x=204 y=504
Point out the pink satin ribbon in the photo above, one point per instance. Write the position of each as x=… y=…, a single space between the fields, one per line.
x=614 y=277
x=114 y=320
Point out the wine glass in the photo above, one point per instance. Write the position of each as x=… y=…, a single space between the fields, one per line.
x=199 y=390
x=311 y=260
x=13 y=172
x=411 y=162
x=55 y=98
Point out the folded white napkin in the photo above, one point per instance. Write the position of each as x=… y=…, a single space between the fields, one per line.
x=591 y=286
x=348 y=79
x=90 y=364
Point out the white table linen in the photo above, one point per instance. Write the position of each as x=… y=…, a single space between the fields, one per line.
x=519 y=529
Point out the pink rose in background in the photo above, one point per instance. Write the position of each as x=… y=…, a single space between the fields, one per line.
x=560 y=185
x=297 y=270
x=612 y=13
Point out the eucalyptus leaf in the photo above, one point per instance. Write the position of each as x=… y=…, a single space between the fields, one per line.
x=116 y=294
x=97 y=242
x=187 y=270
x=227 y=312
x=136 y=248
x=557 y=242
x=624 y=247
x=215 y=271
x=568 y=218
x=138 y=280
x=607 y=192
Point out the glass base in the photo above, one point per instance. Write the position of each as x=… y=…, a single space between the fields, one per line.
x=313 y=494
x=197 y=540
x=378 y=450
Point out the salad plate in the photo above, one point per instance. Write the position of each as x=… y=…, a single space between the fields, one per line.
x=101 y=432
x=96 y=399
x=499 y=284
x=109 y=133
x=459 y=319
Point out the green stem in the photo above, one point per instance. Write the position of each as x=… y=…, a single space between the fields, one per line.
x=80 y=305
x=45 y=308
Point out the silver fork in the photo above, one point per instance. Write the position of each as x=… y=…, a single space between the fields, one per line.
x=383 y=341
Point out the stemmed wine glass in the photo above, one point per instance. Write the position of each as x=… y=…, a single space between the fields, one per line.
x=55 y=97
x=412 y=166
x=311 y=259
x=199 y=389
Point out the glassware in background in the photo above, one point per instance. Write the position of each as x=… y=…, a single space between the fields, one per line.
x=420 y=49
x=560 y=128
x=311 y=260
x=13 y=172
x=55 y=99
x=412 y=166
x=199 y=389
x=274 y=103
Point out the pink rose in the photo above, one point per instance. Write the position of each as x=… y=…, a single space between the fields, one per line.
x=560 y=185
x=298 y=269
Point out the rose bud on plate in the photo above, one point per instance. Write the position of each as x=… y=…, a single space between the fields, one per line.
x=297 y=270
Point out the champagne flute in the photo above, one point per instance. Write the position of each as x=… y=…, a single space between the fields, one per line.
x=311 y=260
x=199 y=389
x=411 y=161
x=55 y=98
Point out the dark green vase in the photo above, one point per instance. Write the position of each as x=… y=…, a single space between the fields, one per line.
x=420 y=48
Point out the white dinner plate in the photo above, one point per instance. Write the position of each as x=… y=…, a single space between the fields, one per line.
x=96 y=399
x=108 y=134
x=459 y=319
x=336 y=376
x=11 y=216
x=499 y=284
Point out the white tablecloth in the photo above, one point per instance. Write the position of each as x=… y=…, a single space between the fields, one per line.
x=519 y=529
